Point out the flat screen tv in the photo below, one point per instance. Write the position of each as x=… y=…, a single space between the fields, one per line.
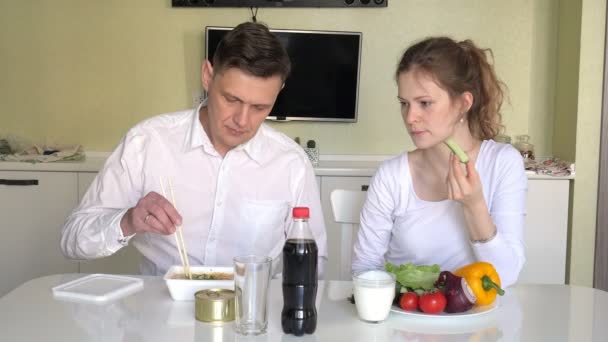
x=324 y=80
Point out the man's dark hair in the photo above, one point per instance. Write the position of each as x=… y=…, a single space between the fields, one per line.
x=252 y=48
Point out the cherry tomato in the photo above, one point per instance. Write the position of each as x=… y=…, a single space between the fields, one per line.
x=409 y=301
x=432 y=302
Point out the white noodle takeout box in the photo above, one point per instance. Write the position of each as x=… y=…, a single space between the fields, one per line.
x=184 y=289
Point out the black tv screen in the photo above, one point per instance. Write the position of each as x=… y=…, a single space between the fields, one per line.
x=324 y=80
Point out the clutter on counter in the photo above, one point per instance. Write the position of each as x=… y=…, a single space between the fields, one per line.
x=551 y=166
x=46 y=154
x=524 y=146
x=16 y=150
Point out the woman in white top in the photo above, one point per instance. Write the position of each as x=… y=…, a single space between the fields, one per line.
x=426 y=207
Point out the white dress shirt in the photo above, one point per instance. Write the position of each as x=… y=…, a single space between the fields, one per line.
x=236 y=205
x=399 y=227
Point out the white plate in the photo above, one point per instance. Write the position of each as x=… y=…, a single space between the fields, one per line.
x=475 y=311
x=98 y=288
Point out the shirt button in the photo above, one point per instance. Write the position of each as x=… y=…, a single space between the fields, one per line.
x=219 y=203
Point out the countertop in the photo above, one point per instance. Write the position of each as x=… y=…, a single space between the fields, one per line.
x=329 y=165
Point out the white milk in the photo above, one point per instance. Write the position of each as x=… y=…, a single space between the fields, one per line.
x=374 y=293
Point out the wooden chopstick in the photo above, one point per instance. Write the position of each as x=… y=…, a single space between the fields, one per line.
x=179 y=239
x=181 y=236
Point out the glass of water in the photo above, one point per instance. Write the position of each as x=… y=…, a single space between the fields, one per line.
x=251 y=280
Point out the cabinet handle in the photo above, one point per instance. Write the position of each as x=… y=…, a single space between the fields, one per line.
x=364 y=187
x=18 y=182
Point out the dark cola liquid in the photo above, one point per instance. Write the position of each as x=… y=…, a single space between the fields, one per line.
x=299 y=315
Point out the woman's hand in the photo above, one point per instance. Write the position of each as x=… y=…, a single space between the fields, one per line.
x=467 y=189
x=464 y=187
x=153 y=213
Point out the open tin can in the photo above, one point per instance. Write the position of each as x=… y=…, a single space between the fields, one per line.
x=214 y=305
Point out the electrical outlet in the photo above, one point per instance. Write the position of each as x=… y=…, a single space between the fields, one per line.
x=198 y=97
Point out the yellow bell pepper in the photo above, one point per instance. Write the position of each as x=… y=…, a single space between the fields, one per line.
x=483 y=280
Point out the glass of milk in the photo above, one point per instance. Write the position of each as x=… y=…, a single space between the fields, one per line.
x=374 y=293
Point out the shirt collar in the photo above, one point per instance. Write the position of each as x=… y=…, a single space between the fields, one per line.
x=254 y=146
x=197 y=137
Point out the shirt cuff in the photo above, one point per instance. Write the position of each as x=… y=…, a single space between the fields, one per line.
x=115 y=238
x=124 y=240
x=481 y=250
x=486 y=240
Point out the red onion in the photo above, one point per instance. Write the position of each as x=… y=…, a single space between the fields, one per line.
x=459 y=295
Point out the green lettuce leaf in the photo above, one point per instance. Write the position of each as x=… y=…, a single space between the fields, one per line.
x=415 y=277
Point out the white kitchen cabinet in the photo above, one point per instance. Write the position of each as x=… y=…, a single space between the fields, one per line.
x=328 y=184
x=125 y=261
x=32 y=217
x=546 y=232
x=84 y=181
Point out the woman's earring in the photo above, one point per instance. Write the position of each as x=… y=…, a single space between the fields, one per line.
x=462 y=119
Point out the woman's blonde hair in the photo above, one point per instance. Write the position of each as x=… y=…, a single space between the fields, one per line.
x=459 y=67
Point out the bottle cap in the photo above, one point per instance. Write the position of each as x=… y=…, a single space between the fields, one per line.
x=301 y=213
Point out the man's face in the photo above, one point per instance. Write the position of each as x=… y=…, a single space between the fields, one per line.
x=237 y=104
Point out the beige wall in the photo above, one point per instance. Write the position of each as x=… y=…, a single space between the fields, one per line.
x=568 y=54
x=84 y=71
x=582 y=243
x=542 y=75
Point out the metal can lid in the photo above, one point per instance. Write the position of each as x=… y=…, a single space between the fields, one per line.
x=214 y=305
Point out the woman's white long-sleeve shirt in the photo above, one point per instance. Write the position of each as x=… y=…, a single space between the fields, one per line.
x=398 y=227
x=236 y=205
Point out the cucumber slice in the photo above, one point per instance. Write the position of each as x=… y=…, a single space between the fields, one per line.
x=462 y=156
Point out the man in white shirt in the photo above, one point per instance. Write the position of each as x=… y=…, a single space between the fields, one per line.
x=234 y=178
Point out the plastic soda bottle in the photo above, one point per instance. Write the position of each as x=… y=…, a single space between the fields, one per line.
x=299 y=315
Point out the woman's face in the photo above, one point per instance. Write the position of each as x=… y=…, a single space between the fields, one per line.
x=430 y=115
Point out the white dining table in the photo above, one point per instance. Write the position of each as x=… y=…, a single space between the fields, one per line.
x=526 y=313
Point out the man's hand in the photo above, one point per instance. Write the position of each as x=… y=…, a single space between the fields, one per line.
x=153 y=213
